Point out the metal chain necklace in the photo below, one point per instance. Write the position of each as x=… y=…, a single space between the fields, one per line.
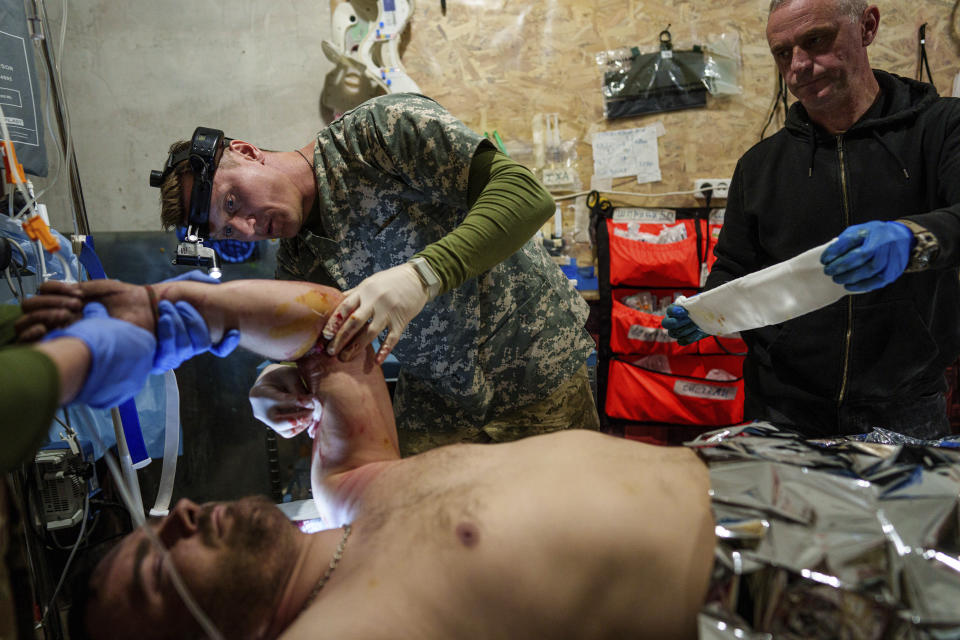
x=333 y=564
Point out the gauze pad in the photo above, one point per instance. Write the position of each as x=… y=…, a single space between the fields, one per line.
x=769 y=296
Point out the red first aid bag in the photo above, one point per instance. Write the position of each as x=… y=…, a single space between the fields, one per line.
x=637 y=259
x=694 y=390
x=633 y=331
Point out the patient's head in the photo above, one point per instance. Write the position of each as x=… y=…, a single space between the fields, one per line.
x=234 y=557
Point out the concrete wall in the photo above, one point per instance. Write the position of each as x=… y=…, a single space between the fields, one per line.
x=138 y=74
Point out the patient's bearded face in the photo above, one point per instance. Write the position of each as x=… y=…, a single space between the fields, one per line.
x=234 y=558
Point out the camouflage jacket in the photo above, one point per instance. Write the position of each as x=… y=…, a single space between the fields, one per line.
x=392 y=178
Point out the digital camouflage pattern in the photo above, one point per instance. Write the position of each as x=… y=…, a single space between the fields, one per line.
x=392 y=178
x=572 y=406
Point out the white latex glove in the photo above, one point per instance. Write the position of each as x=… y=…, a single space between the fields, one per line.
x=389 y=300
x=281 y=401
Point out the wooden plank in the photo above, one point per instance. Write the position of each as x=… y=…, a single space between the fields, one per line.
x=495 y=64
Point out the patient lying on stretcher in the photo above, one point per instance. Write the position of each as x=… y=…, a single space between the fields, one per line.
x=568 y=535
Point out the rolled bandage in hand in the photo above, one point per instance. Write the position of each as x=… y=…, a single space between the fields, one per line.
x=776 y=294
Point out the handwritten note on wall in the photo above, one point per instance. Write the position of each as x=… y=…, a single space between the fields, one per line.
x=628 y=152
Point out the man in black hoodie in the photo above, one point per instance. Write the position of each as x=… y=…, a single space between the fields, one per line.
x=874 y=159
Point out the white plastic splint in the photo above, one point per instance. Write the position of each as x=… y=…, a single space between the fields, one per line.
x=366 y=52
x=776 y=294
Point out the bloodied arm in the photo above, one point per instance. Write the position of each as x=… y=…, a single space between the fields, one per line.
x=279 y=320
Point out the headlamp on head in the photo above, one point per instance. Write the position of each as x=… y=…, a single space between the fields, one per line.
x=206 y=148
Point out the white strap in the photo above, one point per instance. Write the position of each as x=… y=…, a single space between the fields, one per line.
x=126 y=462
x=171 y=446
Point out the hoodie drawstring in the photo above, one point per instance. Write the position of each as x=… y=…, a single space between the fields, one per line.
x=813 y=152
x=883 y=144
x=876 y=136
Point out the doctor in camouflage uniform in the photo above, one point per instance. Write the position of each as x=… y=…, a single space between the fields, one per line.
x=427 y=229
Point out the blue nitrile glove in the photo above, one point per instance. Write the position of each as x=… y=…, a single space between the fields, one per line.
x=182 y=333
x=868 y=256
x=680 y=327
x=120 y=356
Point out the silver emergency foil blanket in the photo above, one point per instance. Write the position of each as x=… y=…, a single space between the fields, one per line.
x=855 y=537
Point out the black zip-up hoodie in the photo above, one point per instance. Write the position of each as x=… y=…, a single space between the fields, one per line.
x=801 y=188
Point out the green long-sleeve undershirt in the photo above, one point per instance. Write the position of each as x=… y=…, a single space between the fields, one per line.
x=507 y=206
x=29 y=391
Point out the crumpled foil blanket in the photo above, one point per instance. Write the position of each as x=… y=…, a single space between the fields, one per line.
x=855 y=537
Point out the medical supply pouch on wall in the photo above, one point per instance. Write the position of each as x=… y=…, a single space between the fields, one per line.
x=691 y=390
x=643 y=377
x=635 y=323
x=636 y=83
x=19 y=89
x=644 y=253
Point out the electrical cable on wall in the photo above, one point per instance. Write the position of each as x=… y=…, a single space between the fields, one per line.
x=954 y=19
x=779 y=99
x=922 y=61
x=571 y=196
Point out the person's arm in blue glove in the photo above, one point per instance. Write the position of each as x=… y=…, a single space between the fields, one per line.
x=680 y=327
x=868 y=256
x=182 y=332
x=121 y=355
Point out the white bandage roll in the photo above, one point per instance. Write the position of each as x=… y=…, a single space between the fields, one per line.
x=769 y=296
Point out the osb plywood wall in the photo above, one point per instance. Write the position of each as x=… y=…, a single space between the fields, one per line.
x=496 y=63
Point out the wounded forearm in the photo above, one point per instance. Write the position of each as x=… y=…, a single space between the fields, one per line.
x=280 y=320
x=508 y=205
